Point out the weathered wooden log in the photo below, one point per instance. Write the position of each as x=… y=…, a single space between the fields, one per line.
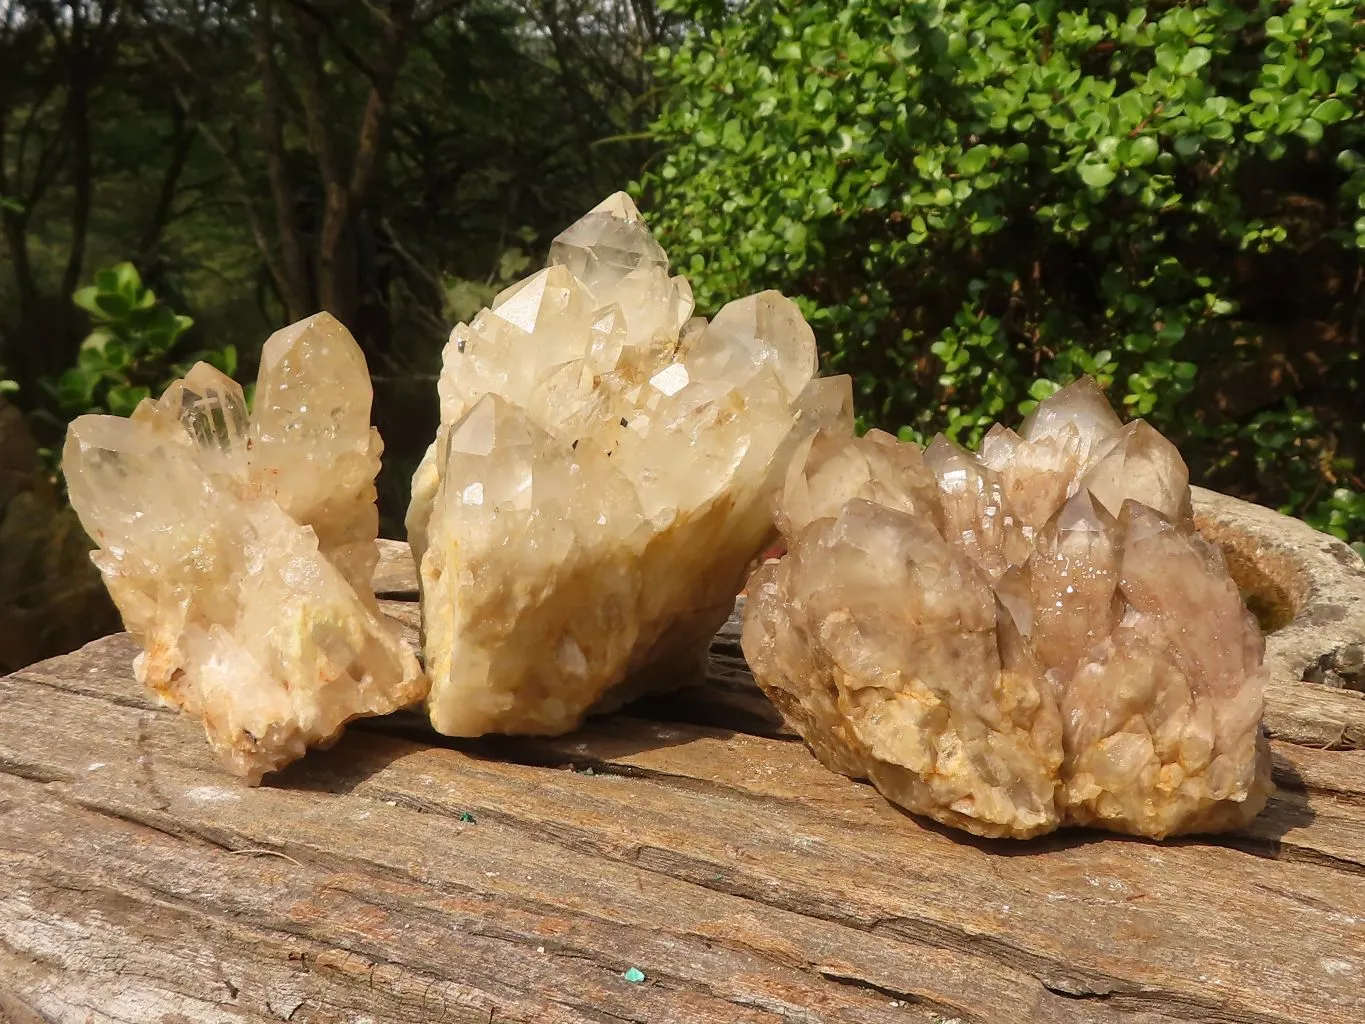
x=406 y=877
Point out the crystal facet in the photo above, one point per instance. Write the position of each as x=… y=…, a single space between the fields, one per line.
x=239 y=548
x=600 y=480
x=1016 y=640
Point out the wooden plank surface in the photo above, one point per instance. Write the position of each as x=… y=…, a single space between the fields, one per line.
x=405 y=877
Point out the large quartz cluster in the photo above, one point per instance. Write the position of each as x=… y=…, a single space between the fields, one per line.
x=600 y=480
x=239 y=548
x=1016 y=640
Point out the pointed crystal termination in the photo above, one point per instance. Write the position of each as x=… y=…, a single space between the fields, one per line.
x=608 y=244
x=239 y=548
x=1018 y=640
x=601 y=479
x=312 y=447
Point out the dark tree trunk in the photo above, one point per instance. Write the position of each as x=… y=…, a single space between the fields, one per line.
x=294 y=290
x=182 y=144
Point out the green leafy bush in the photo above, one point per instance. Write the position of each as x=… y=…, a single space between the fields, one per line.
x=978 y=199
x=131 y=349
x=1341 y=515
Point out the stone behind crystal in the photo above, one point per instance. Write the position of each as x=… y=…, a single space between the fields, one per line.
x=239 y=549
x=1018 y=640
x=600 y=480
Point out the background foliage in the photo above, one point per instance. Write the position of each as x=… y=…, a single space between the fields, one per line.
x=130 y=354
x=974 y=201
x=979 y=199
x=252 y=161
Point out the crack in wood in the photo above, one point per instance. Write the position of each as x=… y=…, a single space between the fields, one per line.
x=945 y=1010
x=31 y=770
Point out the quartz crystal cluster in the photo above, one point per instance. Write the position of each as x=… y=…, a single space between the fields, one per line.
x=1019 y=639
x=601 y=479
x=239 y=548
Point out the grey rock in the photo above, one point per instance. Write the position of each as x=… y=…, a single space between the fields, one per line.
x=1307 y=587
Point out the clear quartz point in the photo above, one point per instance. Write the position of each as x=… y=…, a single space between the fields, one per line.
x=1139 y=463
x=1081 y=406
x=213 y=411
x=239 y=547
x=601 y=479
x=607 y=244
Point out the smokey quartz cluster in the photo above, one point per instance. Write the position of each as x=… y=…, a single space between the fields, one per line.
x=600 y=480
x=1019 y=639
x=239 y=548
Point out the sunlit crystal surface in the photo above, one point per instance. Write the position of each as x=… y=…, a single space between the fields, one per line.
x=601 y=479
x=239 y=548
x=1014 y=640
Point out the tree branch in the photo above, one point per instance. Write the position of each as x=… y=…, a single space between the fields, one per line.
x=16 y=238
x=437 y=9
x=296 y=296
x=374 y=122
x=334 y=36
x=85 y=52
x=371 y=140
x=48 y=152
x=48 y=16
x=245 y=192
x=82 y=173
x=182 y=142
x=336 y=197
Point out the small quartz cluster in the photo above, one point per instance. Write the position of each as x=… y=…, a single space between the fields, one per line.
x=239 y=549
x=1011 y=641
x=601 y=479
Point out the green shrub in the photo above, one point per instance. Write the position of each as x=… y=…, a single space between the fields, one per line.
x=132 y=348
x=977 y=199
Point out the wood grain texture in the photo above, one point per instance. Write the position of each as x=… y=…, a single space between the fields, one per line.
x=395 y=576
x=406 y=877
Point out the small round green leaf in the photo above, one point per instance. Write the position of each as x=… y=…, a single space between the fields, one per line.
x=1187 y=145
x=1096 y=175
x=1041 y=389
x=1195 y=58
x=1331 y=111
x=1143 y=150
x=974 y=161
x=113 y=304
x=86 y=298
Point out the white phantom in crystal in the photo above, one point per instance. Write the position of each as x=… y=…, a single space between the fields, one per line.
x=600 y=480
x=239 y=549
